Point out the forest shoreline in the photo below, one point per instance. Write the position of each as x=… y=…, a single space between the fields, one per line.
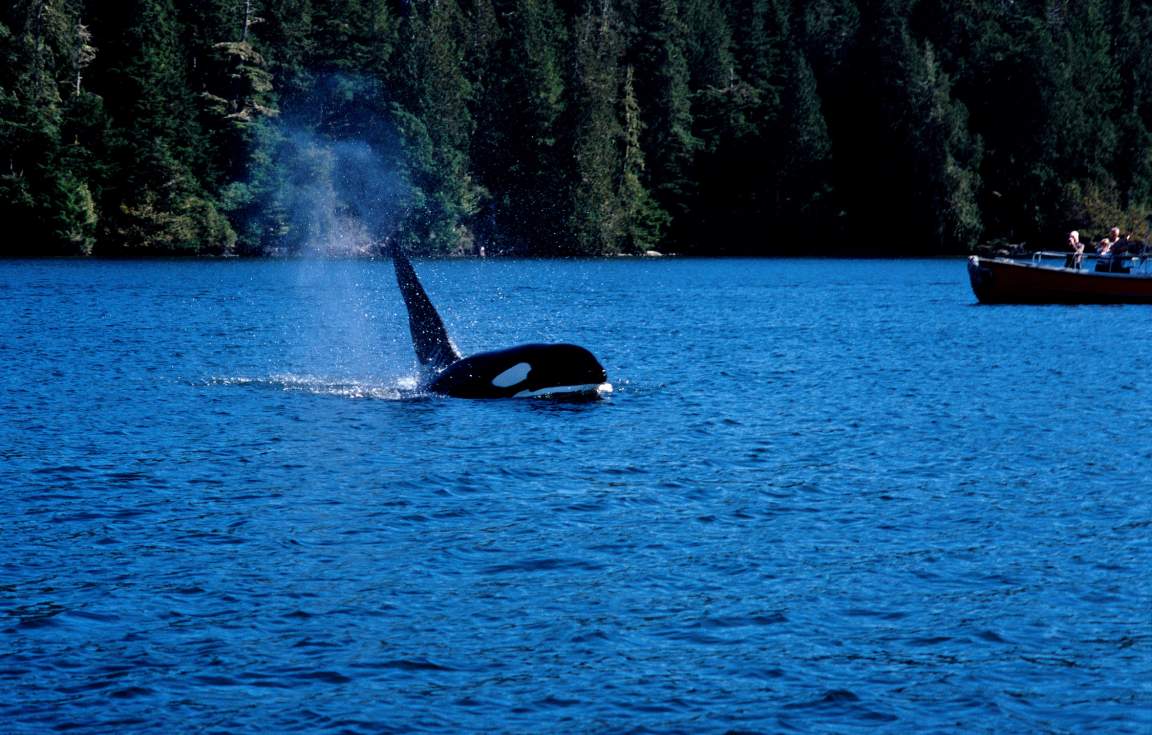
x=556 y=127
x=832 y=256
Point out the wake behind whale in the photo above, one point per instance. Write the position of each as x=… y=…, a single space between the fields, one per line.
x=531 y=370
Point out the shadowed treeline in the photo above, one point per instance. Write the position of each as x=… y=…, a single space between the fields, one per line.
x=556 y=127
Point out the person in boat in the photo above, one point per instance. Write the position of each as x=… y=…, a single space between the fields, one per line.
x=1126 y=246
x=1076 y=257
x=1133 y=245
x=1113 y=238
x=1110 y=253
x=1104 y=255
x=1123 y=243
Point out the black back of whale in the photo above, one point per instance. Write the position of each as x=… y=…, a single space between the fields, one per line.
x=532 y=369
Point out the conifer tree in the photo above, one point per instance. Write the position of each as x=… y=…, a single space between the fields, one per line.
x=664 y=95
x=482 y=33
x=284 y=37
x=726 y=117
x=1132 y=44
x=740 y=125
x=354 y=36
x=1092 y=85
x=804 y=208
x=643 y=221
x=911 y=165
x=595 y=219
x=828 y=29
x=518 y=156
x=436 y=123
x=232 y=85
x=759 y=28
x=946 y=167
x=709 y=44
x=42 y=189
x=153 y=200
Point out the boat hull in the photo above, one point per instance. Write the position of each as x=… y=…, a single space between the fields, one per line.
x=1011 y=282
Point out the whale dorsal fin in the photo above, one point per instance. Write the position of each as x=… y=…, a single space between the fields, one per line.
x=429 y=337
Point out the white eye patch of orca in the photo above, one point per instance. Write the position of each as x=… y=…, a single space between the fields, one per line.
x=513 y=375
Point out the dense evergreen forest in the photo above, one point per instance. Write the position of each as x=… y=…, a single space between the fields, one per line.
x=556 y=127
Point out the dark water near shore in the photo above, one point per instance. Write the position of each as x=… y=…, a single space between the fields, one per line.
x=824 y=497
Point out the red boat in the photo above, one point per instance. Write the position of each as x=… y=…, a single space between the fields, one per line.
x=1122 y=280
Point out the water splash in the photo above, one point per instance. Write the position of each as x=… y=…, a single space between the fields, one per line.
x=342 y=191
x=343 y=197
x=343 y=184
x=404 y=388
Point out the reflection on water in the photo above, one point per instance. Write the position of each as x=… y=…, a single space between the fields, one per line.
x=824 y=497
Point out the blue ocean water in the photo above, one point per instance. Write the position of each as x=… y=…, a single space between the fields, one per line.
x=825 y=496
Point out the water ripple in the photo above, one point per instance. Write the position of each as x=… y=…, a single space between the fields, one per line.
x=825 y=497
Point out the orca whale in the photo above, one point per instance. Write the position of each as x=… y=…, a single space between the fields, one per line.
x=531 y=370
